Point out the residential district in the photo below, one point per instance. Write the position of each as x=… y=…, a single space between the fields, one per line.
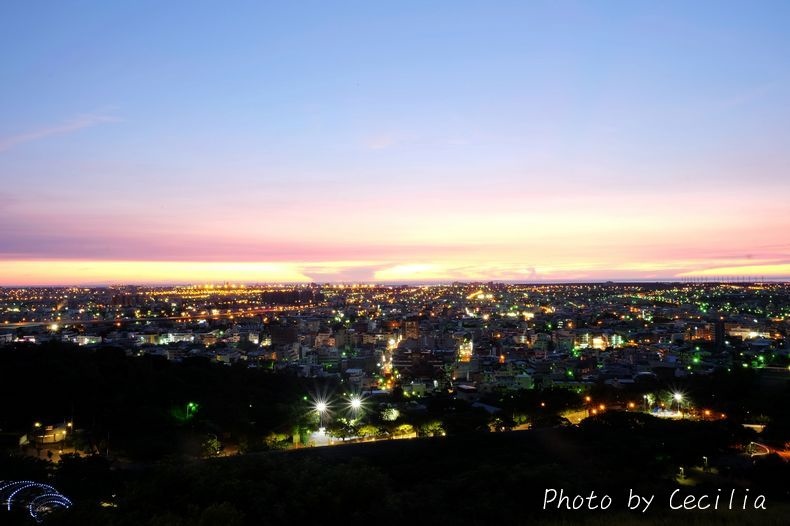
x=465 y=338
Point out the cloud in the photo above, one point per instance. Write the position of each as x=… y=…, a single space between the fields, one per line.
x=775 y=269
x=748 y=96
x=80 y=122
x=381 y=142
x=344 y=272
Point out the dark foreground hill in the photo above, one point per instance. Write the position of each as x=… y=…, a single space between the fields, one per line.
x=486 y=478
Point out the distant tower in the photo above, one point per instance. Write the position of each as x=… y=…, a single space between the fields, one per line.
x=465 y=349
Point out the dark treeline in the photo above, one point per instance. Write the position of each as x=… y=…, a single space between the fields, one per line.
x=477 y=478
x=139 y=407
x=290 y=297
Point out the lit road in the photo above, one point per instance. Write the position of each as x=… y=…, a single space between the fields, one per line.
x=190 y=318
x=758 y=449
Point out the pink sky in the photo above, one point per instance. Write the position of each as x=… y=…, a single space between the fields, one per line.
x=587 y=226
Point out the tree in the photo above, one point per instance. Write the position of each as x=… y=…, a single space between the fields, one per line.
x=502 y=422
x=368 y=431
x=341 y=428
x=431 y=428
x=211 y=446
x=403 y=430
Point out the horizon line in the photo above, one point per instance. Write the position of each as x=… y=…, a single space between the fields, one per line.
x=707 y=280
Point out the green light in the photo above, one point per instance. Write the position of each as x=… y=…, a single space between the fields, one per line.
x=695 y=359
x=191 y=409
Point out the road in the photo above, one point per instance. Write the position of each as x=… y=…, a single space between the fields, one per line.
x=760 y=450
x=195 y=318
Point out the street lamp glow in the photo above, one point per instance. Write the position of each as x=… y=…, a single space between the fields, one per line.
x=356 y=402
x=678 y=397
x=321 y=407
x=190 y=410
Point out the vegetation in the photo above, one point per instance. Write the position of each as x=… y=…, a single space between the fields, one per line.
x=163 y=423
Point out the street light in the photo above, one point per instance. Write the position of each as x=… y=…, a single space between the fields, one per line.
x=320 y=408
x=678 y=397
x=356 y=404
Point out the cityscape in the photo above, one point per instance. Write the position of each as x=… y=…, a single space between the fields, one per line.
x=250 y=368
x=427 y=263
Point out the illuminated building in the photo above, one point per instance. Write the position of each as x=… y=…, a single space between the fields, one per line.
x=411 y=329
x=465 y=350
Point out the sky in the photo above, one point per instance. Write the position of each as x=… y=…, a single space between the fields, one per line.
x=393 y=141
